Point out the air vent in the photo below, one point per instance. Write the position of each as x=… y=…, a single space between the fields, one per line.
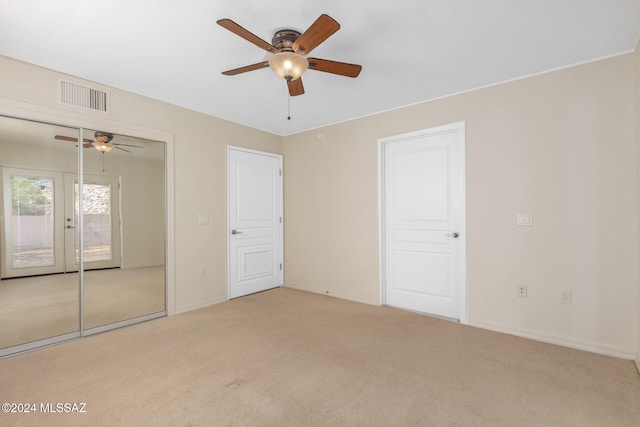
x=84 y=97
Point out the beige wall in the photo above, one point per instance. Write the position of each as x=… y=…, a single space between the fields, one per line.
x=198 y=151
x=560 y=145
x=141 y=191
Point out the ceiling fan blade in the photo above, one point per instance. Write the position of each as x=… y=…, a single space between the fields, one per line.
x=318 y=32
x=295 y=87
x=120 y=148
x=127 y=145
x=259 y=65
x=70 y=139
x=247 y=35
x=334 y=67
x=87 y=144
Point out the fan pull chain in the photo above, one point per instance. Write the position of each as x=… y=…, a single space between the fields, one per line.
x=289 y=107
x=103 y=161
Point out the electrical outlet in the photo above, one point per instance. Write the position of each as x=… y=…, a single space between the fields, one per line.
x=522 y=291
x=565 y=296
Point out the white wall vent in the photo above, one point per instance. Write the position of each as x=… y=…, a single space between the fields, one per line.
x=84 y=97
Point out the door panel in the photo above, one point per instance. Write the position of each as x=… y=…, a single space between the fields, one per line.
x=255 y=227
x=412 y=266
x=255 y=261
x=423 y=193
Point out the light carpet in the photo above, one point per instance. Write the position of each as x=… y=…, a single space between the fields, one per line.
x=291 y=358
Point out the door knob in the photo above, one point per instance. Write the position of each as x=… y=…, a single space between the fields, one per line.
x=455 y=235
x=70 y=226
x=236 y=232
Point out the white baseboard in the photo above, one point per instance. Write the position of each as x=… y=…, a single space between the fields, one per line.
x=638 y=361
x=142 y=264
x=202 y=304
x=592 y=347
x=341 y=295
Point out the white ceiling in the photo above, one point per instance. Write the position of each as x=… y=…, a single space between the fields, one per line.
x=411 y=50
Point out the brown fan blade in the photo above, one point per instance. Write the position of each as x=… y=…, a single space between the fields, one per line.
x=334 y=67
x=87 y=144
x=295 y=87
x=247 y=35
x=70 y=139
x=126 y=145
x=244 y=69
x=318 y=32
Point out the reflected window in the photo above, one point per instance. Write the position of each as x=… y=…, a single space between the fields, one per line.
x=32 y=221
x=96 y=209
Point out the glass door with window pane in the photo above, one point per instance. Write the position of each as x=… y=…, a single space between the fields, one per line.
x=33 y=226
x=101 y=222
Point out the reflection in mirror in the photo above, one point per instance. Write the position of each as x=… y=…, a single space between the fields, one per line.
x=38 y=301
x=123 y=228
x=43 y=298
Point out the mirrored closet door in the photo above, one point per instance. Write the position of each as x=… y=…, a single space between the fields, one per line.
x=123 y=229
x=82 y=232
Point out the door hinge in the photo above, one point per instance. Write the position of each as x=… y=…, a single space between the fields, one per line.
x=280 y=171
x=280 y=266
x=280 y=220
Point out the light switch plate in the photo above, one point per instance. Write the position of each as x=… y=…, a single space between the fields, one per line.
x=203 y=219
x=524 y=219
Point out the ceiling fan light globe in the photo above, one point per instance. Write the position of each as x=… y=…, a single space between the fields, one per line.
x=103 y=147
x=288 y=65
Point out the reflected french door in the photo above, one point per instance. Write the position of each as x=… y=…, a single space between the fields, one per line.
x=101 y=216
x=41 y=222
x=33 y=226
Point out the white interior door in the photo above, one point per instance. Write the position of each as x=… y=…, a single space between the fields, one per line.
x=424 y=221
x=254 y=221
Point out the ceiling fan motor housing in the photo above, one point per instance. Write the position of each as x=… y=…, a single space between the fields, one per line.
x=103 y=137
x=283 y=39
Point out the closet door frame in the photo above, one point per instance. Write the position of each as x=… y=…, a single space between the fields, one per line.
x=70 y=119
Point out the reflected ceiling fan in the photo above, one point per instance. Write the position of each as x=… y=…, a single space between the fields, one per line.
x=102 y=143
x=289 y=50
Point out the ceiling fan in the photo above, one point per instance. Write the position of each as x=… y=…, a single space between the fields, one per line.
x=289 y=51
x=103 y=142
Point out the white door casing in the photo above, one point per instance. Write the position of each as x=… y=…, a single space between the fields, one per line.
x=423 y=221
x=255 y=231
